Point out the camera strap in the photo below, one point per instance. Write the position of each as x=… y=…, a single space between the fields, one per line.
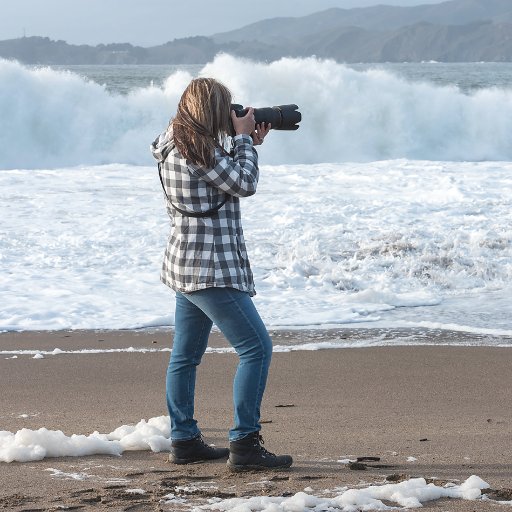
x=207 y=213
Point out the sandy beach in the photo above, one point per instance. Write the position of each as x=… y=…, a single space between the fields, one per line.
x=438 y=412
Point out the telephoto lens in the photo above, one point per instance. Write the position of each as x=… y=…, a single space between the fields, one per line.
x=282 y=117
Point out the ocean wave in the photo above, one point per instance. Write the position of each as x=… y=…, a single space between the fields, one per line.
x=57 y=118
x=418 y=244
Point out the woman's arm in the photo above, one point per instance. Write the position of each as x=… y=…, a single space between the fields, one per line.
x=237 y=175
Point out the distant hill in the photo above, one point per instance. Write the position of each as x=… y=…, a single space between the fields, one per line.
x=378 y=18
x=475 y=42
x=43 y=50
x=452 y=31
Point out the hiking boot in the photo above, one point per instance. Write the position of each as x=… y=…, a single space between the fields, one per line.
x=248 y=454
x=194 y=450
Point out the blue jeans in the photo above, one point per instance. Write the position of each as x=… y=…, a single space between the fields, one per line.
x=235 y=315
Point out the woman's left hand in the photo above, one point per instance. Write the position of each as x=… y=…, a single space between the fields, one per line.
x=260 y=132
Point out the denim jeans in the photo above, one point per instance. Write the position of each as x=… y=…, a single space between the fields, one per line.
x=235 y=315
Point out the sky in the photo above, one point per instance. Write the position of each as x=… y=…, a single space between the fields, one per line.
x=151 y=22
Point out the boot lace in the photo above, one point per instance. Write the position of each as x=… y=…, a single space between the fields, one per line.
x=259 y=444
x=203 y=442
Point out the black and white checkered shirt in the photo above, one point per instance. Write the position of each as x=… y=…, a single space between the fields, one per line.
x=203 y=252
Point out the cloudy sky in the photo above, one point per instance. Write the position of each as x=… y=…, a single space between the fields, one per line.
x=150 y=22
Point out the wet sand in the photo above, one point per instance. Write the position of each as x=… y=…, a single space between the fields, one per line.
x=448 y=407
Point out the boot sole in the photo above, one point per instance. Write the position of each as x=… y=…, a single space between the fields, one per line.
x=176 y=460
x=239 y=468
x=192 y=461
x=188 y=461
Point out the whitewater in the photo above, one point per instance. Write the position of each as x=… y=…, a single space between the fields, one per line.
x=390 y=206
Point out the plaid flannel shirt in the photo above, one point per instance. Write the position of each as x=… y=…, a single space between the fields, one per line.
x=203 y=252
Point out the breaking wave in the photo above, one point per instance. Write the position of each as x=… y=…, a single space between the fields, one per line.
x=57 y=118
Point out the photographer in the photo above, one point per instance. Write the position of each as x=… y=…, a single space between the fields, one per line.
x=206 y=264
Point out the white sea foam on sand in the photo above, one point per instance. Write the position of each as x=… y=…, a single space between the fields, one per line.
x=153 y=434
x=411 y=493
x=62 y=475
x=26 y=444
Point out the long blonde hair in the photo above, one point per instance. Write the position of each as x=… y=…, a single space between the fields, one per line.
x=202 y=122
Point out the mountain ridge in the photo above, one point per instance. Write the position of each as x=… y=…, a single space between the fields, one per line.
x=384 y=17
x=382 y=33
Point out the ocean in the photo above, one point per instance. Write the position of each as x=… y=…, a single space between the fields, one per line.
x=389 y=207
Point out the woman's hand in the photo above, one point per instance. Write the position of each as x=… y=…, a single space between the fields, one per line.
x=260 y=133
x=244 y=125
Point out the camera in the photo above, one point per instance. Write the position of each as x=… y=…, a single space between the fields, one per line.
x=282 y=117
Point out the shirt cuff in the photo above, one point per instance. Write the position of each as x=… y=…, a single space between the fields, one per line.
x=242 y=138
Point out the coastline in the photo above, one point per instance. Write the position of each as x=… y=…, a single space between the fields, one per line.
x=368 y=401
x=356 y=336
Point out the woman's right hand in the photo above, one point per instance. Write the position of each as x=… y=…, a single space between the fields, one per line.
x=244 y=125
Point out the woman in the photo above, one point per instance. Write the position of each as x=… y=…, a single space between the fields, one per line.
x=206 y=264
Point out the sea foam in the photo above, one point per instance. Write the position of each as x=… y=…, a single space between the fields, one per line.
x=57 y=118
x=393 y=242
x=30 y=445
